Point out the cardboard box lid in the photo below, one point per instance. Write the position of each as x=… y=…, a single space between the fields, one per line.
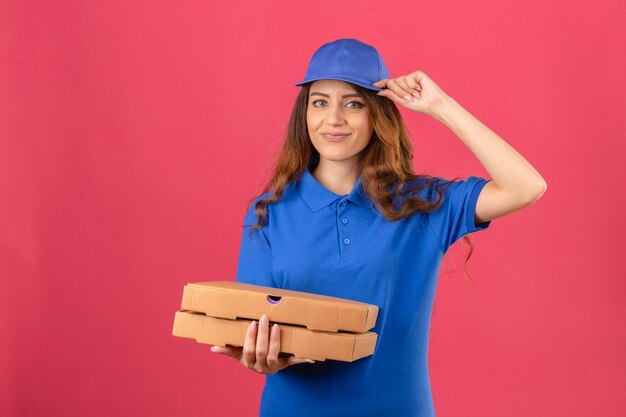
x=231 y=300
x=302 y=342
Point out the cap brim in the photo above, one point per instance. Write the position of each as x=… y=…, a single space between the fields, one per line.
x=348 y=80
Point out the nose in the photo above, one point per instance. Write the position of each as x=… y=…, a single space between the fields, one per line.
x=335 y=115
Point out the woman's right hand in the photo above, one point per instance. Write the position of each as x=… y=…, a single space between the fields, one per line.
x=261 y=349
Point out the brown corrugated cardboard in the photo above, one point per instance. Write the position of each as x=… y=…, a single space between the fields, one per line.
x=231 y=300
x=303 y=343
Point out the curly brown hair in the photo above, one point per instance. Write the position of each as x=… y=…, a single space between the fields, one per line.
x=385 y=164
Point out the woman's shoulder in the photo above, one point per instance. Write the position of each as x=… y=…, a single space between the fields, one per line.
x=255 y=200
x=430 y=189
x=282 y=201
x=424 y=185
x=447 y=191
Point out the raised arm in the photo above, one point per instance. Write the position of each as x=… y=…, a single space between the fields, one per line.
x=515 y=183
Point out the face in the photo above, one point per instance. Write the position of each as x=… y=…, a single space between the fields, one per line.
x=330 y=111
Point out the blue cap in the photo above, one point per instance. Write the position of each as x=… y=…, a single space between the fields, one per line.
x=347 y=60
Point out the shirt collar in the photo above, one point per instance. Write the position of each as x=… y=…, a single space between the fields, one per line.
x=317 y=196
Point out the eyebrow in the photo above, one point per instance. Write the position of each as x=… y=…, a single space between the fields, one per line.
x=326 y=95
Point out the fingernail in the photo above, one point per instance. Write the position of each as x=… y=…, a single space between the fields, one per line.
x=408 y=97
x=212 y=349
x=274 y=328
x=416 y=95
x=252 y=326
x=263 y=320
x=310 y=360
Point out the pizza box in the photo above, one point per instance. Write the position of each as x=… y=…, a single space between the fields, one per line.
x=232 y=300
x=297 y=340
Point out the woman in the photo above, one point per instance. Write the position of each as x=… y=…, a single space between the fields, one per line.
x=345 y=216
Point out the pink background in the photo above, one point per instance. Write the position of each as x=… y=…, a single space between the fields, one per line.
x=132 y=134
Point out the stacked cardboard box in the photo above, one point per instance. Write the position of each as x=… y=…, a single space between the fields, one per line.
x=312 y=326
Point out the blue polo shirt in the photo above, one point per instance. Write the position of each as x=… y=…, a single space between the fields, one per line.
x=342 y=246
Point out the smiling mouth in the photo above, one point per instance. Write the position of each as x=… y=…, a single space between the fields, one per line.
x=335 y=138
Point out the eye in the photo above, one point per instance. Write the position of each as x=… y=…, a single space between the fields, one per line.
x=359 y=104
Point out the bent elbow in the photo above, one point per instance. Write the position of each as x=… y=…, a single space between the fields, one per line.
x=543 y=186
x=540 y=189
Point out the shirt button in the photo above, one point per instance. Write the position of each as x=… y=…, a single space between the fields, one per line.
x=346 y=241
x=344 y=221
x=344 y=203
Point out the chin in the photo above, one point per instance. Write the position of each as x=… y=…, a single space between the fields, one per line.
x=337 y=156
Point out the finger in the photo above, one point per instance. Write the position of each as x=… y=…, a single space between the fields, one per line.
x=400 y=92
x=262 y=343
x=249 y=346
x=391 y=95
x=403 y=83
x=403 y=89
x=381 y=83
x=293 y=360
x=412 y=84
x=274 y=348
x=232 y=351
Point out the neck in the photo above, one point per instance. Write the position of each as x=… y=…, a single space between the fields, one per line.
x=339 y=177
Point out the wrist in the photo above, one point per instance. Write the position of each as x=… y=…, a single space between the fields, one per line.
x=443 y=111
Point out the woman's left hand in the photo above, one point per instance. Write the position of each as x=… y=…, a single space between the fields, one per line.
x=425 y=94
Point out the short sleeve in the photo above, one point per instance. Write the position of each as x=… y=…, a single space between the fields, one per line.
x=455 y=217
x=255 y=252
